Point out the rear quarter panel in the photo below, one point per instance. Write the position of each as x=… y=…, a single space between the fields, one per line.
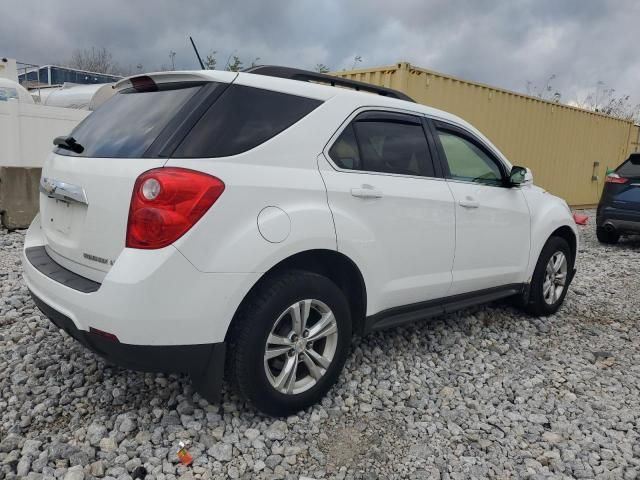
x=281 y=172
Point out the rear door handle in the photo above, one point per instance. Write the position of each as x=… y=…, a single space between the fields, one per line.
x=367 y=191
x=469 y=203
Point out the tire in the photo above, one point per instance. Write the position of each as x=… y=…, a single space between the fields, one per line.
x=270 y=310
x=608 y=236
x=545 y=300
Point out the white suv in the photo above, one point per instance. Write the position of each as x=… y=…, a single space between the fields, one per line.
x=260 y=220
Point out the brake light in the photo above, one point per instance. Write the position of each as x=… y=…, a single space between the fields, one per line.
x=166 y=203
x=615 y=178
x=144 y=84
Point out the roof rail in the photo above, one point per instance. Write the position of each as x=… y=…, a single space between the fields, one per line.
x=308 y=76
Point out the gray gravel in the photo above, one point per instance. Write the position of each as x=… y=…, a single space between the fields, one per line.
x=489 y=392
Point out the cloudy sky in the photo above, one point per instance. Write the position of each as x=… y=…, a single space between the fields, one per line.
x=505 y=43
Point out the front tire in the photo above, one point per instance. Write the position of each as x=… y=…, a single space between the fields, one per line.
x=290 y=342
x=551 y=278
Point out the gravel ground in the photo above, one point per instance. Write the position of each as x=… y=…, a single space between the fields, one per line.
x=489 y=392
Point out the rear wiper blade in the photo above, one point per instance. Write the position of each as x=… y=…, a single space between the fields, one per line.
x=68 y=143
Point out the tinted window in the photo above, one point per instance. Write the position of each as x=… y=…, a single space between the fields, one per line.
x=388 y=146
x=241 y=119
x=126 y=124
x=630 y=168
x=467 y=161
x=344 y=151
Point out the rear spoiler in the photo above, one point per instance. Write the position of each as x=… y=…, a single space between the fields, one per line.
x=176 y=77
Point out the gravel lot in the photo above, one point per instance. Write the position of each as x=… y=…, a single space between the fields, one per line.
x=489 y=392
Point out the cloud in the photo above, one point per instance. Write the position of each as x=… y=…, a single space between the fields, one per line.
x=505 y=43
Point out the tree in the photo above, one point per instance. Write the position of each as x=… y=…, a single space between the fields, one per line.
x=234 y=62
x=601 y=100
x=322 y=68
x=357 y=59
x=98 y=60
x=545 y=93
x=235 y=65
x=210 y=61
x=606 y=100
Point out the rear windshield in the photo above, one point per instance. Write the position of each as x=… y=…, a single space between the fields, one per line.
x=128 y=123
x=630 y=168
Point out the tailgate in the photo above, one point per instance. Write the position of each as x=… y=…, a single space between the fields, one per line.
x=84 y=207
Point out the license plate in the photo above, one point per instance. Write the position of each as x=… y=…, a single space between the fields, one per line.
x=61 y=212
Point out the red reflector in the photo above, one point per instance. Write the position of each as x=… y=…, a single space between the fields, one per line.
x=615 y=178
x=166 y=203
x=103 y=334
x=144 y=84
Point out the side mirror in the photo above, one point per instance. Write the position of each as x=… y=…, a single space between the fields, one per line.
x=518 y=175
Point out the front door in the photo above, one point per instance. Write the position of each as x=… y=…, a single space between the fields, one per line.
x=492 y=218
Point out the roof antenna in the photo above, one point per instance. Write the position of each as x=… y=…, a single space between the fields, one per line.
x=197 y=54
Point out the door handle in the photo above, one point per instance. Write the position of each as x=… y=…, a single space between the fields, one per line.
x=367 y=191
x=469 y=202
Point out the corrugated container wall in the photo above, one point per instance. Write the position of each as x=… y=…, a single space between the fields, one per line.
x=567 y=148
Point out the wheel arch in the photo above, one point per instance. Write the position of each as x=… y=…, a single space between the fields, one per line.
x=334 y=265
x=565 y=232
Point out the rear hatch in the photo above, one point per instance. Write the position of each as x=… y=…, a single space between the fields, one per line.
x=622 y=189
x=88 y=180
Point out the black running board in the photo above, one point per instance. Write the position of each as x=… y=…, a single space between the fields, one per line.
x=396 y=316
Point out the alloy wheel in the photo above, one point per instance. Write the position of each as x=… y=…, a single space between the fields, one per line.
x=301 y=346
x=555 y=278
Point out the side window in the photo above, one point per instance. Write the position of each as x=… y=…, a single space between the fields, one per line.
x=345 y=150
x=241 y=119
x=389 y=145
x=467 y=161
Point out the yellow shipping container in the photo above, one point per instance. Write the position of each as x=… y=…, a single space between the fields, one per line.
x=567 y=148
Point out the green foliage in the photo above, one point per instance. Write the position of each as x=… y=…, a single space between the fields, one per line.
x=210 y=61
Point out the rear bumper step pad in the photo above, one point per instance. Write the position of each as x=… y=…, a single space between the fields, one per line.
x=40 y=259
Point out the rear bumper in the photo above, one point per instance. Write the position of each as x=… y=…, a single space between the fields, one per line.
x=623 y=220
x=146 y=358
x=203 y=362
x=148 y=298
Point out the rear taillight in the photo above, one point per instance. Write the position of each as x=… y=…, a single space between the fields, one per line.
x=166 y=203
x=615 y=178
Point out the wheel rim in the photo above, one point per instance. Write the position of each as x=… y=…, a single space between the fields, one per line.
x=555 y=278
x=301 y=346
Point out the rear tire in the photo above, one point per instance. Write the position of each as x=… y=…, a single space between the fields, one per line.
x=608 y=236
x=551 y=278
x=290 y=342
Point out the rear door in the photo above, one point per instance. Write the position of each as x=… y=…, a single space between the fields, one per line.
x=492 y=219
x=86 y=193
x=391 y=212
